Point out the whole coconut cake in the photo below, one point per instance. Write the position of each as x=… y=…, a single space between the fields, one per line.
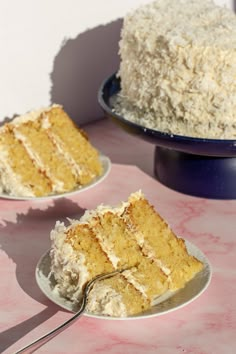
x=178 y=68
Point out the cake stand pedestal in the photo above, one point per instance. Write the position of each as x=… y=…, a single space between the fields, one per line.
x=197 y=175
x=200 y=167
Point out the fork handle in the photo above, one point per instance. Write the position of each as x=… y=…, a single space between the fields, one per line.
x=48 y=336
x=44 y=339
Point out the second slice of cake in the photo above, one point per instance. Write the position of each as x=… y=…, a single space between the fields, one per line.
x=43 y=152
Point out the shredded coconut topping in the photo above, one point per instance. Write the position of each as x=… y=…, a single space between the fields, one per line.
x=178 y=68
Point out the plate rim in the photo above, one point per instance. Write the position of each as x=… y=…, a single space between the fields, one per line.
x=192 y=249
x=106 y=162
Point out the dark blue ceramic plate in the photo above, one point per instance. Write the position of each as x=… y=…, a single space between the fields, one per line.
x=195 y=166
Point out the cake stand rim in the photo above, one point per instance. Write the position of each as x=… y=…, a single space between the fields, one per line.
x=186 y=144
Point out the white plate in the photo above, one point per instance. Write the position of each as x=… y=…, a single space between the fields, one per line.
x=171 y=302
x=106 y=163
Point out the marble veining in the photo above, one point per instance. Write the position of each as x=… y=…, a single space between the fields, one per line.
x=205 y=326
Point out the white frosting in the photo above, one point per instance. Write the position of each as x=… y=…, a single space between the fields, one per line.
x=45 y=124
x=32 y=115
x=129 y=275
x=104 y=300
x=68 y=266
x=178 y=68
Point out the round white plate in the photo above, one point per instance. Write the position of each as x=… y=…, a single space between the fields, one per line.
x=106 y=163
x=170 y=302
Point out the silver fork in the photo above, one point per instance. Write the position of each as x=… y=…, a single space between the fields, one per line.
x=48 y=336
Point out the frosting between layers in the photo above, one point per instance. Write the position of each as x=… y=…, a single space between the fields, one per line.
x=128 y=274
x=75 y=168
x=69 y=262
x=10 y=182
x=71 y=273
x=57 y=185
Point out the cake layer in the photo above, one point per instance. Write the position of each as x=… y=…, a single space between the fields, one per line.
x=51 y=154
x=77 y=257
x=83 y=157
x=18 y=173
x=177 y=68
x=159 y=243
x=48 y=157
x=131 y=237
x=125 y=253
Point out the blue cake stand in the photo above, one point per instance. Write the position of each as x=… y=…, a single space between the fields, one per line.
x=200 y=167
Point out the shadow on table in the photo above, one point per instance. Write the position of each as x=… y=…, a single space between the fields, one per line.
x=24 y=241
x=13 y=334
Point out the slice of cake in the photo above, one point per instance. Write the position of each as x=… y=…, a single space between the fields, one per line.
x=43 y=153
x=131 y=237
x=177 y=68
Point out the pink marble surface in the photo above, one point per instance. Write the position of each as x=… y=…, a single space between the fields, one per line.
x=206 y=326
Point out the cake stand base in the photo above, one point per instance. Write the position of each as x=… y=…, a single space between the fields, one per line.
x=201 y=176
